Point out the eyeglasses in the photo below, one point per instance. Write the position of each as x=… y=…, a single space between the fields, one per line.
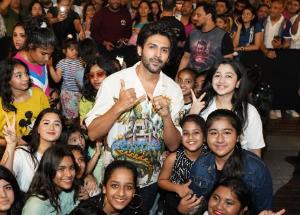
x=97 y=74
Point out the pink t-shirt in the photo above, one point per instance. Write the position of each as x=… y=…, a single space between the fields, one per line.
x=37 y=73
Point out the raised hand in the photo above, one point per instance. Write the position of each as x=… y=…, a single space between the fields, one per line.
x=127 y=98
x=161 y=105
x=98 y=148
x=9 y=131
x=198 y=104
x=237 y=23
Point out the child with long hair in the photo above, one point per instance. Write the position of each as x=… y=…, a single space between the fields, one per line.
x=23 y=161
x=231 y=196
x=120 y=180
x=37 y=52
x=10 y=195
x=95 y=72
x=67 y=70
x=227 y=87
x=174 y=176
x=18 y=98
x=52 y=190
x=227 y=159
x=87 y=183
x=232 y=190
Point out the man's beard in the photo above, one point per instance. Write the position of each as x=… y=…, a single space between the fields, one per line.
x=147 y=64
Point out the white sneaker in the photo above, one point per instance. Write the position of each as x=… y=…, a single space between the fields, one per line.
x=275 y=114
x=293 y=113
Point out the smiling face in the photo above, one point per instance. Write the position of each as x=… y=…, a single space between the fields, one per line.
x=20 y=79
x=225 y=80
x=155 y=53
x=118 y=191
x=7 y=196
x=192 y=136
x=50 y=128
x=19 y=37
x=222 y=138
x=186 y=82
x=224 y=201
x=65 y=174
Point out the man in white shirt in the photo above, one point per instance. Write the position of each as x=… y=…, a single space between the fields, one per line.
x=137 y=111
x=276 y=30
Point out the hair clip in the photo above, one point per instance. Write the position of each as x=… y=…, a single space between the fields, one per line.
x=69 y=36
x=43 y=25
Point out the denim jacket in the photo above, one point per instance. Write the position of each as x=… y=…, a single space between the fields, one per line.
x=255 y=175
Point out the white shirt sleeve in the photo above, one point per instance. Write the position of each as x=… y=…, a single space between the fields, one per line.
x=17 y=162
x=104 y=100
x=253 y=133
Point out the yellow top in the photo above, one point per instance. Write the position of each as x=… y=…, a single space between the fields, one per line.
x=27 y=112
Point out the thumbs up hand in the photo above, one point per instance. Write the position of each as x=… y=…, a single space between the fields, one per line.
x=127 y=98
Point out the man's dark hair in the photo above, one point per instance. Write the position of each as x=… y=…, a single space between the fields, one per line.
x=209 y=8
x=168 y=5
x=154 y=28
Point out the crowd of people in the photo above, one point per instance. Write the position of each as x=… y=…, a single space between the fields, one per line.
x=139 y=107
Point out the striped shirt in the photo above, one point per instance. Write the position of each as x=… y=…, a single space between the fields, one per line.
x=69 y=69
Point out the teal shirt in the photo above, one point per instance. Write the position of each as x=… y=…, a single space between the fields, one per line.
x=35 y=205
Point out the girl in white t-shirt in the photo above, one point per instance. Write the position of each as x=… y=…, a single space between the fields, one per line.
x=227 y=87
x=24 y=160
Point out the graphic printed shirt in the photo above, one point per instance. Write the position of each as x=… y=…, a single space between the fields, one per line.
x=137 y=135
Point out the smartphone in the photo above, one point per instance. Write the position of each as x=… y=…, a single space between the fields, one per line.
x=62 y=9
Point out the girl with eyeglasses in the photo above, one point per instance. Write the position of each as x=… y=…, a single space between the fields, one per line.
x=96 y=71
